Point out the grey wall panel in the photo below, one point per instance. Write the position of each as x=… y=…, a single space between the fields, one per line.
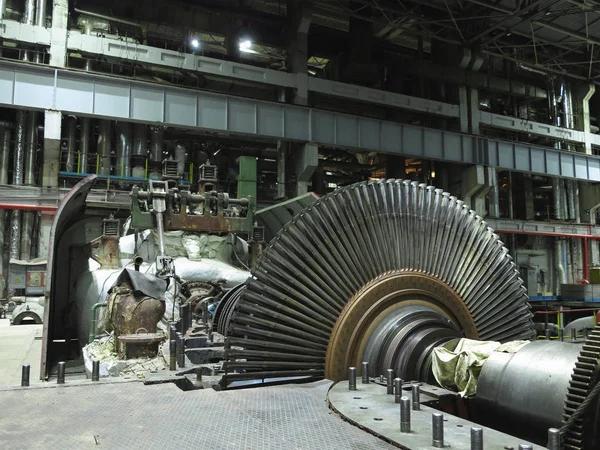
x=552 y=163
x=538 y=161
x=369 y=132
x=71 y=95
x=581 y=168
x=147 y=104
x=270 y=120
x=91 y=94
x=111 y=98
x=181 y=108
x=33 y=89
x=212 y=112
x=567 y=166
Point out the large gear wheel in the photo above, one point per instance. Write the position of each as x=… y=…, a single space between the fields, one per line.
x=368 y=267
x=580 y=434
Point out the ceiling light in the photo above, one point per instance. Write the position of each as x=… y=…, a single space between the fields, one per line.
x=509 y=33
x=195 y=43
x=245 y=45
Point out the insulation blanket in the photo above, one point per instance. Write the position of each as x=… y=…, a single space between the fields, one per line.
x=457 y=365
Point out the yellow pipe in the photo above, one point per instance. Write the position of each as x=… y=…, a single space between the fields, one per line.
x=97 y=162
x=191 y=172
x=146 y=171
x=78 y=162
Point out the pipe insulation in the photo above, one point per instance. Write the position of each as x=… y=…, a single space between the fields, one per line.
x=40 y=17
x=18 y=160
x=70 y=156
x=556 y=196
x=84 y=145
x=4 y=154
x=104 y=148
x=123 y=150
x=156 y=144
x=30 y=149
x=26 y=234
x=180 y=153
x=140 y=140
x=29 y=14
x=571 y=198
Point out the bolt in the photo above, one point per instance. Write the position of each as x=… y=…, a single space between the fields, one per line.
x=437 y=422
x=25 y=375
x=390 y=381
x=404 y=415
x=352 y=378
x=397 y=389
x=476 y=438
x=416 y=397
x=365 y=372
x=61 y=373
x=553 y=439
x=95 y=370
x=172 y=354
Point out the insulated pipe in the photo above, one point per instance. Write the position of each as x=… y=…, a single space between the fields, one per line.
x=560 y=270
x=18 y=160
x=139 y=150
x=2 y=8
x=281 y=163
x=84 y=145
x=104 y=148
x=40 y=17
x=156 y=144
x=29 y=14
x=180 y=152
x=4 y=154
x=123 y=150
x=556 y=196
x=26 y=235
x=30 y=150
x=71 y=144
x=571 y=199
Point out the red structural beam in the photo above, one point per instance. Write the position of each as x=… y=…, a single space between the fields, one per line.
x=546 y=233
x=22 y=207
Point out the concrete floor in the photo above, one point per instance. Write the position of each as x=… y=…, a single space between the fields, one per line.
x=129 y=415
x=19 y=344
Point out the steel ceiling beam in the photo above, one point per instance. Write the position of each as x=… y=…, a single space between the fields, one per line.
x=511 y=16
x=567 y=32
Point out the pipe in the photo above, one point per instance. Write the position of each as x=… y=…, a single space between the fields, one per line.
x=571 y=198
x=24 y=207
x=556 y=195
x=2 y=8
x=110 y=19
x=95 y=306
x=26 y=235
x=30 y=150
x=586 y=268
x=29 y=14
x=5 y=153
x=18 y=156
x=84 y=144
x=560 y=270
x=104 y=130
x=40 y=18
x=156 y=144
x=71 y=144
x=281 y=175
x=123 y=136
x=531 y=69
x=139 y=152
x=180 y=152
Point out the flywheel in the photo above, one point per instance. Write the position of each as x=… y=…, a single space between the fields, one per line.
x=376 y=271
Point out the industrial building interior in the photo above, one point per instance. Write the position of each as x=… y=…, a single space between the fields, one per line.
x=223 y=212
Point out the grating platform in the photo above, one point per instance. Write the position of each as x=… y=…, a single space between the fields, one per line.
x=130 y=415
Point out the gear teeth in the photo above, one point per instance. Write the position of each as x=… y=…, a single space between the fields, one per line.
x=344 y=241
x=582 y=382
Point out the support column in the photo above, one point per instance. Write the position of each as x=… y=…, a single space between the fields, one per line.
x=300 y=16
x=464 y=109
x=473 y=111
x=50 y=169
x=307 y=161
x=246 y=186
x=58 y=44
